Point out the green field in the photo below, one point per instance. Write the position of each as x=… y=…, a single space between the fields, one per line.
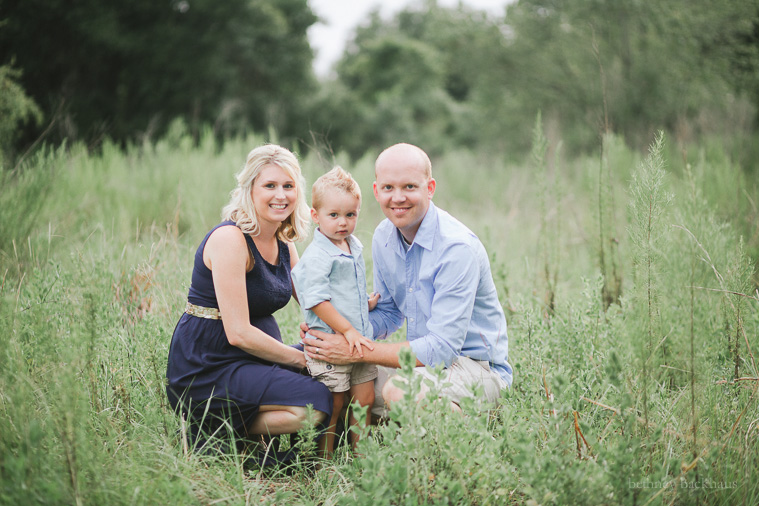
x=628 y=284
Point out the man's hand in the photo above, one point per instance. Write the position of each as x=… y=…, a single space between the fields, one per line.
x=356 y=340
x=373 y=299
x=332 y=348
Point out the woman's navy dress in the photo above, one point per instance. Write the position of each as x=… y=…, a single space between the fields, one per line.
x=213 y=383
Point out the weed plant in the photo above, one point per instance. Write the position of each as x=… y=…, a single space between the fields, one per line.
x=95 y=260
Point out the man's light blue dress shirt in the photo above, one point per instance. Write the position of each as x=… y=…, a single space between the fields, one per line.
x=325 y=272
x=443 y=287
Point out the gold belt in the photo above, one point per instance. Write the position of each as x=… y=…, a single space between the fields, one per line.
x=210 y=313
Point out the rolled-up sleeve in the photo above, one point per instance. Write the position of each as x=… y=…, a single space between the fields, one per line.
x=455 y=287
x=311 y=279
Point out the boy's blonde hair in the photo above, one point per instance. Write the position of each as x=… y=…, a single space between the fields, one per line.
x=241 y=209
x=338 y=179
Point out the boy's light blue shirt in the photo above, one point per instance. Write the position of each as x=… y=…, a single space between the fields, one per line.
x=444 y=288
x=325 y=272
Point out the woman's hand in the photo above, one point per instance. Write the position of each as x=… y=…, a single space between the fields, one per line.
x=332 y=348
x=301 y=363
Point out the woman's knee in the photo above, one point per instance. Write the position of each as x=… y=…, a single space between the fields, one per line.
x=301 y=415
x=320 y=417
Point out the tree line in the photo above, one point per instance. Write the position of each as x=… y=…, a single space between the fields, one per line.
x=438 y=76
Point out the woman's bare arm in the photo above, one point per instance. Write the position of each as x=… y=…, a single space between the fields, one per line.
x=227 y=255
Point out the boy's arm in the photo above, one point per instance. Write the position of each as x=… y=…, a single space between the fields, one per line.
x=337 y=322
x=310 y=277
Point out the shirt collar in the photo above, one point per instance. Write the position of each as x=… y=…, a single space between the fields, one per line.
x=425 y=235
x=323 y=242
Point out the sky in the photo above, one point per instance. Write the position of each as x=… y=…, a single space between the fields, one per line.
x=340 y=17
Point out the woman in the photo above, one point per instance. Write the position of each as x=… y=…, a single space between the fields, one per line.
x=228 y=366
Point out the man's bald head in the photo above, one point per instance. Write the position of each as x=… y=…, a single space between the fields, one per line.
x=407 y=155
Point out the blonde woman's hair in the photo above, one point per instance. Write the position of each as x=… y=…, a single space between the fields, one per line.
x=241 y=209
x=338 y=179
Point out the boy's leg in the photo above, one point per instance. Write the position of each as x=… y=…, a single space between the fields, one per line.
x=327 y=442
x=337 y=379
x=363 y=394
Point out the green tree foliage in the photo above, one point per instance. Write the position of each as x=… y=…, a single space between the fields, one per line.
x=649 y=64
x=15 y=107
x=398 y=83
x=592 y=66
x=123 y=68
x=426 y=76
x=441 y=77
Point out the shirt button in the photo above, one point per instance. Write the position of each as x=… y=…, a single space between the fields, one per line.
x=410 y=289
x=411 y=320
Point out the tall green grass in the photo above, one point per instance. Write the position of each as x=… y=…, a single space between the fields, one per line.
x=95 y=261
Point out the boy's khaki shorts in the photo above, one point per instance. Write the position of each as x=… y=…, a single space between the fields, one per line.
x=339 y=378
x=456 y=382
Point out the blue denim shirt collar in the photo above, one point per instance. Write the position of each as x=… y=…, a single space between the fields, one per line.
x=425 y=236
x=323 y=242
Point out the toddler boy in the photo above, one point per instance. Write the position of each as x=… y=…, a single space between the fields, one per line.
x=330 y=283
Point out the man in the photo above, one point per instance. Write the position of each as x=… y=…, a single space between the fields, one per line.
x=432 y=271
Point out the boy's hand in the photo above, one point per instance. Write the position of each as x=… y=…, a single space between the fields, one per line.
x=303 y=329
x=373 y=299
x=356 y=340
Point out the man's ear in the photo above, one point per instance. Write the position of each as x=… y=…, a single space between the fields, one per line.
x=374 y=189
x=431 y=187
